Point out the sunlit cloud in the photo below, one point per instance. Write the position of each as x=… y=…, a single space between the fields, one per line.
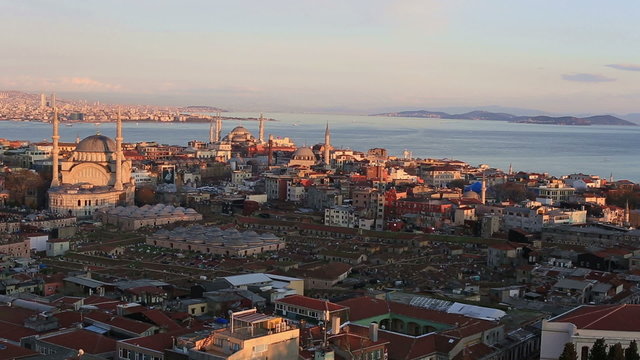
x=625 y=67
x=59 y=84
x=584 y=77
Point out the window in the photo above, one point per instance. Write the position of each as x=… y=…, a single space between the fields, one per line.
x=584 y=353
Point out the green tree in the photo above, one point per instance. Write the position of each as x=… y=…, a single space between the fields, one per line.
x=569 y=352
x=631 y=353
x=616 y=352
x=598 y=351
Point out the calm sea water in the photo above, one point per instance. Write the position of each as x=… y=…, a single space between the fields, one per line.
x=559 y=150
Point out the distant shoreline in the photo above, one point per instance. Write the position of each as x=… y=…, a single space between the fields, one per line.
x=492 y=116
x=190 y=120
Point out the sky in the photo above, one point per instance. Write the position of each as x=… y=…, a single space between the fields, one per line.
x=571 y=56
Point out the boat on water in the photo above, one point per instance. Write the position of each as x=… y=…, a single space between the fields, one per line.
x=68 y=124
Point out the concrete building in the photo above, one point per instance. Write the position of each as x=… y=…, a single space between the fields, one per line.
x=341 y=215
x=57 y=247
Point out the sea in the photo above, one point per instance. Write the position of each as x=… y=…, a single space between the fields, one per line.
x=556 y=149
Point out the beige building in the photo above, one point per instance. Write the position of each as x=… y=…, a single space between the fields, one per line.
x=15 y=247
x=94 y=176
x=251 y=335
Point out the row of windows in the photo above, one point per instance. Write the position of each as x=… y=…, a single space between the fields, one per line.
x=126 y=354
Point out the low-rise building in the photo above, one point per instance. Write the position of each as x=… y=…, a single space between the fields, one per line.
x=250 y=335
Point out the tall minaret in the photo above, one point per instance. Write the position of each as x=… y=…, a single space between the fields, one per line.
x=118 y=184
x=510 y=169
x=483 y=190
x=212 y=133
x=327 y=145
x=261 y=131
x=626 y=215
x=55 y=152
x=218 y=127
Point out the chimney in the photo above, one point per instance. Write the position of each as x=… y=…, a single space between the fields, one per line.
x=373 y=331
x=335 y=325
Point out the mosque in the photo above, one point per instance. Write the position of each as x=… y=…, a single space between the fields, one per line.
x=94 y=176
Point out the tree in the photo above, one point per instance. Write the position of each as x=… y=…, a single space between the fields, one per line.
x=616 y=352
x=631 y=353
x=457 y=184
x=21 y=184
x=145 y=196
x=569 y=352
x=598 y=351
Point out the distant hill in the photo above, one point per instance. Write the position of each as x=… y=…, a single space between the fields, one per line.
x=487 y=115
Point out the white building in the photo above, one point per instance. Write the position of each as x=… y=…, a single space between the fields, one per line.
x=57 y=247
x=341 y=215
x=583 y=325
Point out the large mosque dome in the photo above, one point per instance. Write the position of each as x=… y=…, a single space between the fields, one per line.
x=97 y=143
x=239 y=134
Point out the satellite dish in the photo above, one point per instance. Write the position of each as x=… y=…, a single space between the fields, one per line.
x=80 y=352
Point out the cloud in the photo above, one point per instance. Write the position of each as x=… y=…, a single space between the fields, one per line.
x=86 y=83
x=626 y=67
x=30 y=83
x=584 y=77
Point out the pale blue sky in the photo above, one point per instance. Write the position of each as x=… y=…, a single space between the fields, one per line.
x=558 y=56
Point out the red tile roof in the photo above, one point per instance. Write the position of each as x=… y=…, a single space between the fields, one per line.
x=410 y=347
x=161 y=319
x=158 y=342
x=120 y=322
x=311 y=303
x=604 y=317
x=67 y=319
x=11 y=352
x=15 y=315
x=14 y=332
x=89 y=342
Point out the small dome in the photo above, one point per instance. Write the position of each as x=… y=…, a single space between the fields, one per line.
x=471 y=195
x=96 y=143
x=303 y=153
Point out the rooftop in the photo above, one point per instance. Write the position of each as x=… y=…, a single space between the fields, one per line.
x=603 y=317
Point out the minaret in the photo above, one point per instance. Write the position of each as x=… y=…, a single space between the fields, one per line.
x=218 y=127
x=510 y=169
x=261 y=131
x=211 y=132
x=327 y=145
x=626 y=214
x=55 y=152
x=118 y=184
x=483 y=190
